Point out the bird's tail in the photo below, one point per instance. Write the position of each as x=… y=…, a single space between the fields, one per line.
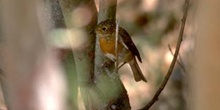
x=138 y=75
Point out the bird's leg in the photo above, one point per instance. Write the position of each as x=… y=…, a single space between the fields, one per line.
x=121 y=65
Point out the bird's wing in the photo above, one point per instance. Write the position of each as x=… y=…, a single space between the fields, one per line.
x=129 y=43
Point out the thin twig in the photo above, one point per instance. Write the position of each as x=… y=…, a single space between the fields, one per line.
x=116 y=46
x=180 y=61
x=163 y=84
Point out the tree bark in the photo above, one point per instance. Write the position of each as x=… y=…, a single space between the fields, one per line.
x=98 y=88
x=73 y=11
x=112 y=92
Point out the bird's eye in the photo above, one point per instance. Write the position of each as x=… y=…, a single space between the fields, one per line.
x=104 y=28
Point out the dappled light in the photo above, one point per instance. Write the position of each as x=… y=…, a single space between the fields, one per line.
x=56 y=55
x=68 y=38
x=81 y=16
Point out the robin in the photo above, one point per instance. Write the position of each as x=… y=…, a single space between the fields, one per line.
x=127 y=51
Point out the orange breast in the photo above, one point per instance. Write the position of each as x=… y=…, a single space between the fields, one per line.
x=107 y=46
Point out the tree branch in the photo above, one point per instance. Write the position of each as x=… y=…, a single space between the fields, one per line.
x=180 y=61
x=106 y=79
x=163 y=84
x=84 y=57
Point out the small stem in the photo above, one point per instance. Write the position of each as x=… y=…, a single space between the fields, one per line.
x=116 y=46
x=180 y=61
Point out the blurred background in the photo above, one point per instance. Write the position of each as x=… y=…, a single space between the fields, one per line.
x=153 y=25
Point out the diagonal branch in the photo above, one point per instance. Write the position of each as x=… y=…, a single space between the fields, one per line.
x=163 y=84
x=180 y=61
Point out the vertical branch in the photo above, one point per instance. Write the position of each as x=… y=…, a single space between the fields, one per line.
x=107 y=9
x=170 y=70
x=116 y=46
x=81 y=15
x=66 y=55
x=115 y=94
x=57 y=15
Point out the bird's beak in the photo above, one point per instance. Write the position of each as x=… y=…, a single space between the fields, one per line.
x=96 y=29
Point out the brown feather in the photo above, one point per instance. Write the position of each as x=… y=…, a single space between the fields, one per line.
x=138 y=75
x=110 y=23
x=128 y=41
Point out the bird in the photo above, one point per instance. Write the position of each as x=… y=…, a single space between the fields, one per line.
x=127 y=51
